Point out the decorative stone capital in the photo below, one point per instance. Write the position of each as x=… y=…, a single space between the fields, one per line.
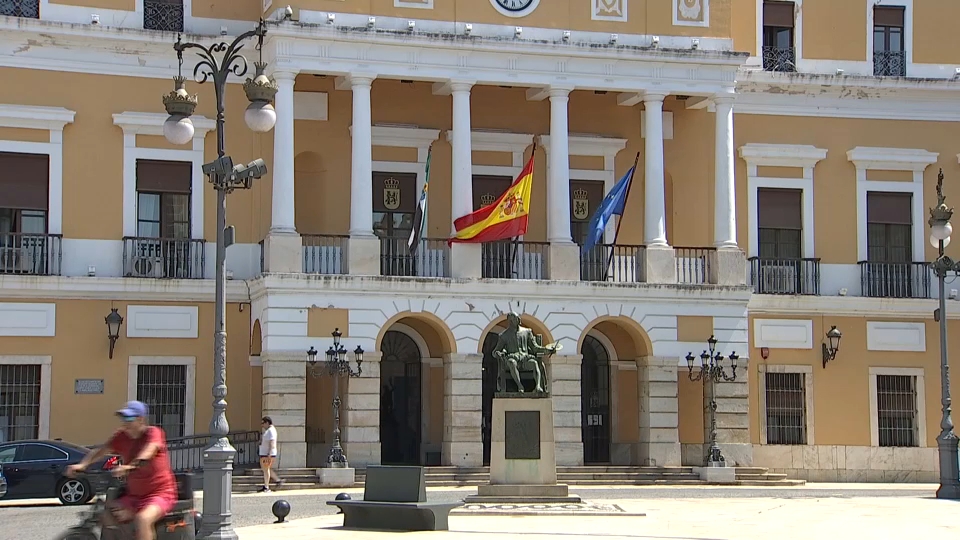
x=654 y=97
x=724 y=99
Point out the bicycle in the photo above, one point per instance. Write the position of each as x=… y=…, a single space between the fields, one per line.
x=179 y=524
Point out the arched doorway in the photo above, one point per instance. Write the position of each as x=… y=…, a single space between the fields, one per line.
x=595 y=401
x=400 y=400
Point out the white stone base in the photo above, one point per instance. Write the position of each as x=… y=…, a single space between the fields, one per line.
x=728 y=267
x=363 y=256
x=717 y=475
x=466 y=261
x=283 y=253
x=337 y=477
x=563 y=262
x=660 y=265
x=539 y=472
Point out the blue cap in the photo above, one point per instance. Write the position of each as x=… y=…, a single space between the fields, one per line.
x=134 y=409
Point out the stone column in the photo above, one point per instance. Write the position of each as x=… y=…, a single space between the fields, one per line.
x=728 y=264
x=285 y=401
x=465 y=259
x=659 y=412
x=564 y=372
x=462 y=410
x=563 y=260
x=659 y=261
x=733 y=418
x=282 y=246
x=360 y=414
x=363 y=248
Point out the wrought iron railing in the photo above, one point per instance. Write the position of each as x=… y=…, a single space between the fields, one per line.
x=616 y=263
x=508 y=259
x=890 y=63
x=27 y=9
x=771 y=275
x=432 y=258
x=186 y=453
x=163 y=15
x=693 y=265
x=30 y=254
x=895 y=280
x=165 y=258
x=324 y=253
x=779 y=59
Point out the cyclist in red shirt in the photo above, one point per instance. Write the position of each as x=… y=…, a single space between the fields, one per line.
x=151 y=486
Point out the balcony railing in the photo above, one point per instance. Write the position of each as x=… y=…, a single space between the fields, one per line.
x=616 y=263
x=186 y=453
x=779 y=59
x=693 y=265
x=889 y=63
x=895 y=280
x=163 y=258
x=431 y=260
x=785 y=276
x=30 y=254
x=163 y=15
x=515 y=260
x=324 y=253
x=27 y=9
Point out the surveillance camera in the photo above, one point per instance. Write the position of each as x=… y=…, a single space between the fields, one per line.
x=223 y=30
x=839 y=71
x=94 y=19
x=371 y=21
x=614 y=38
x=517 y=32
x=411 y=25
x=246 y=174
x=331 y=18
x=843 y=291
x=468 y=29
x=92 y=271
x=656 y=41
x=695 y=44
x=566 y=35
x=288 y=12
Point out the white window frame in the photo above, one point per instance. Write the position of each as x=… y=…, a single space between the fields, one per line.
x=190 y=397
x=913 y=160
x=808 y=416
x=918 y=374
x=907 y=30
x=137 y=123
x=52 y=119
x=405 y=137
x=800 y=156
x=46 y=377
x=797 y=34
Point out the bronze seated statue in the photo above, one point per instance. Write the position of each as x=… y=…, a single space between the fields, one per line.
x=519 y=352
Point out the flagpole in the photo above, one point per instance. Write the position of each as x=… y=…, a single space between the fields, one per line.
x=616 y=234
x=516 y=239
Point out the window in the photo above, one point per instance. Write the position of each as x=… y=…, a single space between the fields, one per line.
x=8 y=454
x=163 y=15
x=889 y=57
x=23 y=212
x=164 y=389
x=41 y=452
x=163 y=199
x=780 y=223
x=786 y=408
x=897 y=410
x=778 y=28
x=28 y=9
x=19 y=402
x=394 y=206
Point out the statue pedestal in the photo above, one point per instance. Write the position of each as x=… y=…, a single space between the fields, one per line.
x=523 y=463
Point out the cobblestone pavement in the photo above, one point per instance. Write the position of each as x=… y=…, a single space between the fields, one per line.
x=41 y=520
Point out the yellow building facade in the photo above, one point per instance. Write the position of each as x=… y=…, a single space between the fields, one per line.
x=786 y=153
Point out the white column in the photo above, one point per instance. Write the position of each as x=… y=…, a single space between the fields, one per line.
x=558 y=183
x=725 y=213
x=284 y=208
x=654 y=206
x=462 y=201
x=361 y=176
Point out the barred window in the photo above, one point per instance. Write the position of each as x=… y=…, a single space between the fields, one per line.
x=786 y=408
x=897 y=410
x=164 y=390
x=19 y=402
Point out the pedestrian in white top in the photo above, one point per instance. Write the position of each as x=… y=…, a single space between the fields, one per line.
x=268 y=454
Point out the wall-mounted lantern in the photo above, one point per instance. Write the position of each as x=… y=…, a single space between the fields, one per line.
x=830 y=351
x=114 y=320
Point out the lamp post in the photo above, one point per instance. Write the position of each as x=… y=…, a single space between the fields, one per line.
x=712 y=370
x=940 y=231
x=218 y=61
x=336 y=366
x=113 y=320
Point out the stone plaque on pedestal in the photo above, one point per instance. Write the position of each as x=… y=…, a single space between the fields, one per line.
x=521 y=434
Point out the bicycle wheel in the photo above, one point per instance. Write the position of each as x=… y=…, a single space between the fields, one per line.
x=78 y=533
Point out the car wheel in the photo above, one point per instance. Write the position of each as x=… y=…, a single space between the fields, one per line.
x=71 y=491
x=78 y=534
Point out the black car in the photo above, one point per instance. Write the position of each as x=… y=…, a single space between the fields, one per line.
x=35 y=470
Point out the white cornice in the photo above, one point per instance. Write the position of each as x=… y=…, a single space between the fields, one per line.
x=32 y=117
x=140 y=123
x=403 y=137
x=891 y=159
x=849 y=306
x=590 y=146
x=781 y=155
x=133 y=289
x=496 y=141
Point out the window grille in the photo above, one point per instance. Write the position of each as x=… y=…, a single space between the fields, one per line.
x=19 y=402
x=163 y=15
x=164 y=390
x=786 y=408
x=897 y=410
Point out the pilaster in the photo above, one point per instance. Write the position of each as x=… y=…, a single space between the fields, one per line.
x=462 y=410
x=360 y=435
x=285 y=402
x=659 y=413
x=564 y=372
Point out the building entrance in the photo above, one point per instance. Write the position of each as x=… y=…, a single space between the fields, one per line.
x=489 y=388
x=595 y=401
x=400 y=400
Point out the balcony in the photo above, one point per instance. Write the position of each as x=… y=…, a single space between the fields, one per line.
x=163 y=258
x=163 y=15
x=779 y=59
x=27 y=9
x=616 y=263
x=515 y=260
x=431 y=260
x=771 y=275
x=693 y=265
x=30 y=254
x=895 y=280
x=322 y=254
x=889 y=63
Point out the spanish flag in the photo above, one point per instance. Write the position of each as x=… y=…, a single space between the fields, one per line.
x=504 y=218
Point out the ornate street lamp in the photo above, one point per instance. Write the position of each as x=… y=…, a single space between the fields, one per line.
x=711 y=370
x=113 y=320
x=830 y=351
x=218 y=61
x=940 y=231
x=336 y=366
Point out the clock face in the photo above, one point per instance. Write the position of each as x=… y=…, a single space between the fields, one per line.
x=514 y=5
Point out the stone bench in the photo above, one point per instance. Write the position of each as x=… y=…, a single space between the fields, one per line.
x=395 y=498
